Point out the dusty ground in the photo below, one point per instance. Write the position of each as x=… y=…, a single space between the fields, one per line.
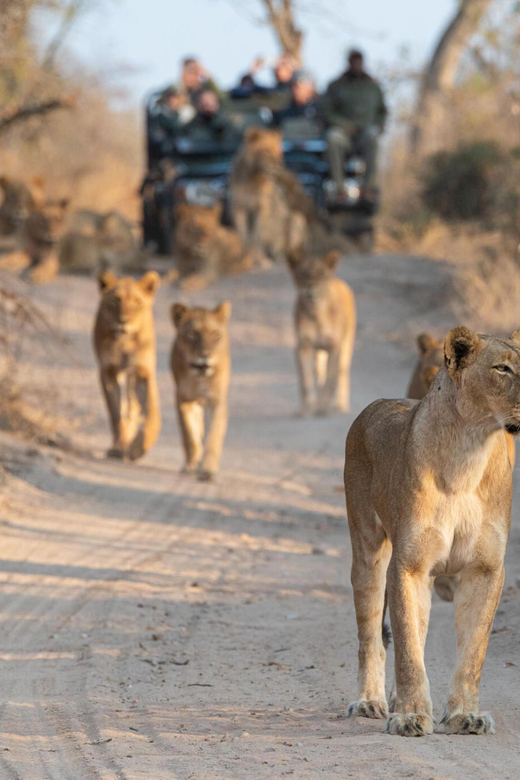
x=154 y=627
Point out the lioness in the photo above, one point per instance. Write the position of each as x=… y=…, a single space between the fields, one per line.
x=97 y=240
x=201 y=365
x=428 y=487
x=431 y=358
x=325 y=319
x=124 y=342
x=19 y=199
x=204 y=248
x=270 y=209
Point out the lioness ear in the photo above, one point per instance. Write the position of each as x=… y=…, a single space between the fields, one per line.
x=223 y=311
x=150 y=282
x=425 y=343
x=106 y=280
x=331 y=260
x=460 y=349
x=515 y=337
x=178 y=310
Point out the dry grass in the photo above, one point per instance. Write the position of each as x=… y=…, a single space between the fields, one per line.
x=26 y=408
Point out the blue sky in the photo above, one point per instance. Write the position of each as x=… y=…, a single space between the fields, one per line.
x=138 y=43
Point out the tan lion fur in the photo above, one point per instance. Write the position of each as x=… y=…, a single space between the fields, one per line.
x=428 y=489
x=99 y=240
x=18 y=201
x=124 y=343
x=270 y=210
x=325 y=321
x=204 y=248
x=201 y=368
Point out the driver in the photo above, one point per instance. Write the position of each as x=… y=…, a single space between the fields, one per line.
x=354 y=111
x=209 y=124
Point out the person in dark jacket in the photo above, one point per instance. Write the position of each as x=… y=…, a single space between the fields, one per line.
x=304 y=103
x=354 y=111
x=209 y=124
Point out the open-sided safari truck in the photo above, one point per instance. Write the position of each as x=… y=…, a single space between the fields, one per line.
x=181 y=169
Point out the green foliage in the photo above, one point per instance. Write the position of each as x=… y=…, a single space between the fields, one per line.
x=460 y=184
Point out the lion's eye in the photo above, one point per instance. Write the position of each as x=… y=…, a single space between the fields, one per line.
x=503 y=369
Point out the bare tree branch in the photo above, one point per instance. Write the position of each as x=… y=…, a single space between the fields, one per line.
x=35 y=109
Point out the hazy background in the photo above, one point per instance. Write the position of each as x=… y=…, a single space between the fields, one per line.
x=138 y=43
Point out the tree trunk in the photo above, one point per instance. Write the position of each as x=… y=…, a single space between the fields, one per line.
x=280 y=15
x=440 y=73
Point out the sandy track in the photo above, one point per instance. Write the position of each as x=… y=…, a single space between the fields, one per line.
x=154 y=627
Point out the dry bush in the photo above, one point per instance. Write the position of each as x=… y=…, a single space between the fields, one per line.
x=27 y=336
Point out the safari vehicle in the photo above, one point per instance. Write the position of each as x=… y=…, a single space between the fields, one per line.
x=180 y=170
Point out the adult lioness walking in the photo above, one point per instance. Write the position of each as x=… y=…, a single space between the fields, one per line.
x=124 y=342
x=201 y=367
x=428 y=488
x=271 y=211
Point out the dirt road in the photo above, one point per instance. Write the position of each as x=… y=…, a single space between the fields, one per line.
x=155 y=627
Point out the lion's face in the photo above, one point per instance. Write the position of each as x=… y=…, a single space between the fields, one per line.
x=487 y=372
x=264 y=142
x=201 y=335
x=310 y=272
x=126 y=303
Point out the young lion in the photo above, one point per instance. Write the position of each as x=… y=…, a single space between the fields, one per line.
x=124 y=342
x=431 y=357
x=428 y=487
x=201 y=365
x=204 y=248
x=325 y=319
x=270 y=209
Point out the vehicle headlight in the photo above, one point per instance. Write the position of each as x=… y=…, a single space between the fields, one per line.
x=201 y=193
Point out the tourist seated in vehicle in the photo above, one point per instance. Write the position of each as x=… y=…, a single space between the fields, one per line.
x=354 y=111
x=195 y=78
x=284 y=71
x=304 y=101
x=175 y=111
x=209 y=125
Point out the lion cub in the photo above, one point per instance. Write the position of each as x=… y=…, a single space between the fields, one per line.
x=201 y=365
x=124 y=342
x=204 y=248
x=325 y=318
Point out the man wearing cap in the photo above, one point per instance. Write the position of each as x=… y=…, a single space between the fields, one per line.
x=354 y=111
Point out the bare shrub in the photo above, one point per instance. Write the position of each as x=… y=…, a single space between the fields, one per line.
x=26 y=335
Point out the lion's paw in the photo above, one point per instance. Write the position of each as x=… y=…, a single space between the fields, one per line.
x=469 y=723
x=116 y=453
x=206 y=475
x=412 y=724
x=367 y=708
